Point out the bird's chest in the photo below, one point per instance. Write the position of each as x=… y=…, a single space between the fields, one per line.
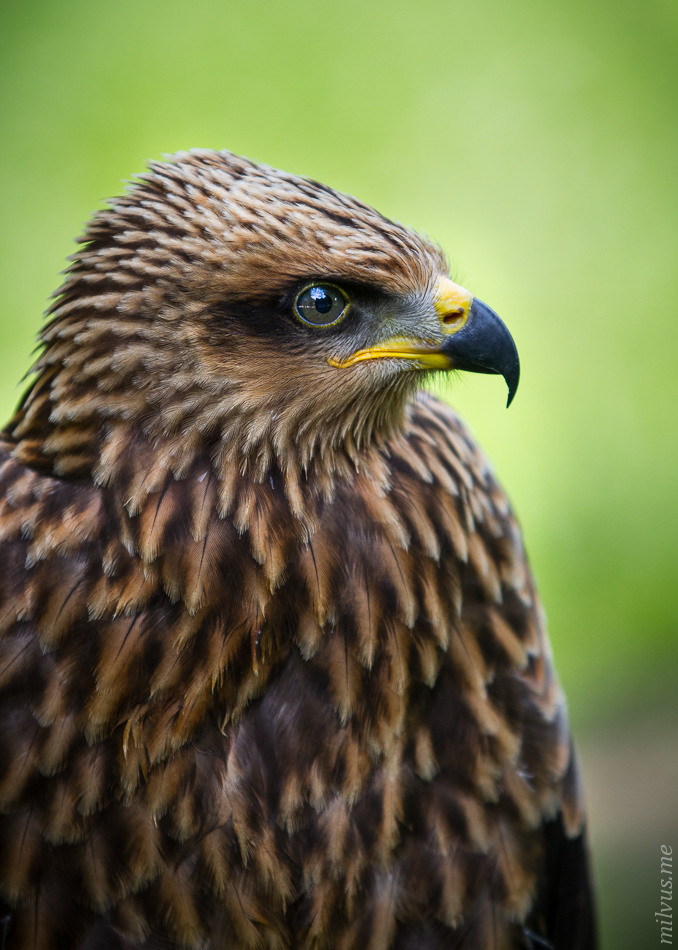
x=346 y=782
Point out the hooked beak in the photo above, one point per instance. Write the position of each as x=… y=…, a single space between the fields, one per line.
x=484 y=345
x=471 y=337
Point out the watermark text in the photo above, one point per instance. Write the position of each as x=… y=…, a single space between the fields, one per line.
x=664 y=916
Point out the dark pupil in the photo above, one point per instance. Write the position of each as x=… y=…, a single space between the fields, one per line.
x=322 y=300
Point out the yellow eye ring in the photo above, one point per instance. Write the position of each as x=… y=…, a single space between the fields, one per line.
x=321 y=305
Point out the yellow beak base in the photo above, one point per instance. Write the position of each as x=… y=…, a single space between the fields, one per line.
x=422 y=357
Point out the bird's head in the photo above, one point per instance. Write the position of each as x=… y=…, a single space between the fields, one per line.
x=227 y=305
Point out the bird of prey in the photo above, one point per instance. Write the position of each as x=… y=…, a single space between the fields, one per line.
x=273 y=671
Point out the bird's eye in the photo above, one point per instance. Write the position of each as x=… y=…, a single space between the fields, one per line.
x=321 y=305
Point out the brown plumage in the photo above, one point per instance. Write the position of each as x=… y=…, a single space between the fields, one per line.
x=273 y=673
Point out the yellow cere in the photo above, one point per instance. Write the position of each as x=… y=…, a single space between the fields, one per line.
x=452 y=304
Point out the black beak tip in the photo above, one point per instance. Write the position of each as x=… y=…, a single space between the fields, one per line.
x=512 y=377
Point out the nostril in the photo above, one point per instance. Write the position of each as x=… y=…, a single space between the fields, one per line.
x=454 y=316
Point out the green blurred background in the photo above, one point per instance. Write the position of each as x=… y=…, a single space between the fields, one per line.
x=537 y=142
